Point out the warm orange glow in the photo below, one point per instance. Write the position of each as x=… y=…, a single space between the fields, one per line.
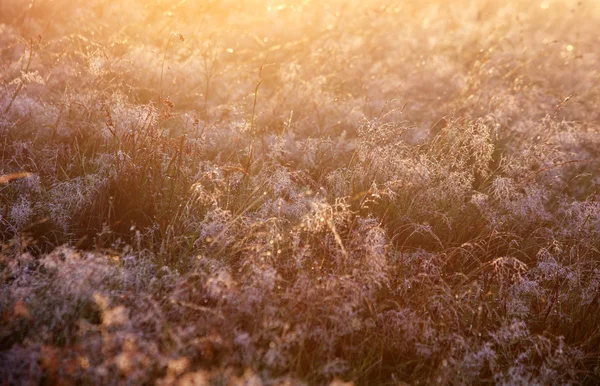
x=319 y=192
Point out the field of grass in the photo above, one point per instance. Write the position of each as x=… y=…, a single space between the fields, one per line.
x=274 y=192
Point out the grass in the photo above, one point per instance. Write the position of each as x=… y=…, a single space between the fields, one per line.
x=299 y=193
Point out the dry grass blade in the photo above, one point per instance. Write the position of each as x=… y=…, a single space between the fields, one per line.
x=6 y=178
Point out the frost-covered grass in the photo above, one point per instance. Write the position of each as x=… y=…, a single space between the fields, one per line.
x=259 y=192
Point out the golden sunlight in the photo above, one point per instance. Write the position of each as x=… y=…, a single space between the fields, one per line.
x=272 y=192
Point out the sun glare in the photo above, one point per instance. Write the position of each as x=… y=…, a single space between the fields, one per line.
x=273 y=192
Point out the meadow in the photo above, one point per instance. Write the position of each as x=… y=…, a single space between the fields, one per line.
x=277 y=192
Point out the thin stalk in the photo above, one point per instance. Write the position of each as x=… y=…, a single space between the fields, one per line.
x=20 y=86
x=162 y=69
